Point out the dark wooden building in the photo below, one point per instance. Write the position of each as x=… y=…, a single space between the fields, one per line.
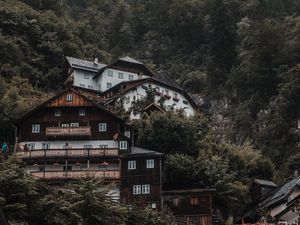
x=70 y=136
x=191 y=206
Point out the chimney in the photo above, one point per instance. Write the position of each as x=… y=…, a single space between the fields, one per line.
x=96 y=61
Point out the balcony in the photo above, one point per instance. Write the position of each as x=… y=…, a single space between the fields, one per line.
x=73 y=174
x=68 y=131
x=54 y=153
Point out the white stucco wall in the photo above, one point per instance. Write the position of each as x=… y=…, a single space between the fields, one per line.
x=140 y=93
x=114 y=79
x=74 y=144
x=88 y=82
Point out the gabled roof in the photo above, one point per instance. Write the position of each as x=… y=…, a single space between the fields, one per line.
x=281 y=193
x=265 y=183
x=129 y=62
x=84 y=64
x=142 y=81
x=154 y=107
x=61 y=93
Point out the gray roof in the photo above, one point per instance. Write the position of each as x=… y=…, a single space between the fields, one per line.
x=281 y=193
x=265 y=182
x=142 y=151
x=164 y=77
x=84 y=64
x=131 y=60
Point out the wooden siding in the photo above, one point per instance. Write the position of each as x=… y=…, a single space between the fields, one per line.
x=141 y=176
x=46 y=118
x=77 y=100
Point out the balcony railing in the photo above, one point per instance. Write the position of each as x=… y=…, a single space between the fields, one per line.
x=68 y=131
x=115 y=174
x=48 y=153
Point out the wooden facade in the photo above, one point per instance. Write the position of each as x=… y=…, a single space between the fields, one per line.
x=71 y=118
x=192 y=206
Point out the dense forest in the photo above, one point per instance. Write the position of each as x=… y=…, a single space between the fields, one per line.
x=239 y=59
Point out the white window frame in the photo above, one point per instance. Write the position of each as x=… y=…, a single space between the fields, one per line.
x=69 y=97
x=103 y=146
x=31 y=146
x=87 y=146
x=46 y=145
x=185 y=102
x=57 y=112
x=136 y=189
x=123 y=145
x=76 y=124
x=35 y=128
x=130 y=76
x=102 y=127
x=108 y=85
x=82 y=85
x=150 y=163
x=90 y=87
x=127 y=133
x=81 y=112
x=110 y=73
x=65 y=125
x=131 y=165
x=153 y=205
x=120 y=75
x=146 y=189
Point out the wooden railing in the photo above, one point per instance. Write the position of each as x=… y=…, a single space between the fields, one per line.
x=73 y=174
x=68 y=131
x=47 y=153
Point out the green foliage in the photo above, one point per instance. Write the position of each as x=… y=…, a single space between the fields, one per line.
x=171 y=133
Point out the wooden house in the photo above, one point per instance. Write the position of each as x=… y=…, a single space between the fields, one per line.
x=70 y=136
x=191 y=206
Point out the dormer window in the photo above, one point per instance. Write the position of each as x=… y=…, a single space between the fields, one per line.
x=57 y=112
x=69 y=97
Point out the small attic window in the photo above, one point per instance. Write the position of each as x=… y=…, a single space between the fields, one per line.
x=69 y=97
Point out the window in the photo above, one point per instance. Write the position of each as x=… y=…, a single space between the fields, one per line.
x=175 y=95
x=185 y=102
x=74 y=124
x=81 y=112
x=144 y=87
x=110 y=73
x=45 y=145
x=31 y=146
x=35 y=128
x=69 y=97
x=153 y=205
x=82 y=85
x=131 y=165
x=194 y=201
x=120 y=75
x=127 y=134
x=103 y=146
x=167 y=92
x=146 y=189
x=86 y=76
x=41 y=168
x=57 y=112
x=130 y=77
x=123 y=145
x=88 y=146
x=90 y=87
x=136 y=189
x=65 y=125
x=108 y=85
x=157 y=88
x=127 y=100
x=102 y=127
x=150 y=163
x=176 y=201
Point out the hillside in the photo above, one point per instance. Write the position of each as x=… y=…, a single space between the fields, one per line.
x=240 y=56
